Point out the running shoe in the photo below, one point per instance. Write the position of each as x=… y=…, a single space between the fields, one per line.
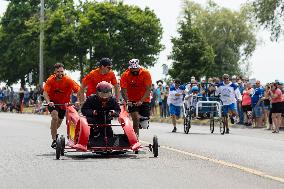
x=53 y=144
x=227 y=131
x=232 y=120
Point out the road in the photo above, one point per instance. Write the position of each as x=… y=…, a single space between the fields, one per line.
x=246 y=158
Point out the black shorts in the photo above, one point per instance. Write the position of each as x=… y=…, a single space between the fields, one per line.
x=61 y=112
x=143 y=110
x=247 y=108
x=277 y=107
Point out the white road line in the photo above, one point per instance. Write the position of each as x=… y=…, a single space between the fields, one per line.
x=224 y=163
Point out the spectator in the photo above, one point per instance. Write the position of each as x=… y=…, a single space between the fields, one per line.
x=246 y=104
x=257 y=105
x=267 y=107
x=21 y=98
x=160 y=97
x=277 y=109
x=166 y=111
x=153 y=97
x=26 y=97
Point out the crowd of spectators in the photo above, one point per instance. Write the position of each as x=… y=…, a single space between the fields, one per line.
x=260 y=105
x=15 y=101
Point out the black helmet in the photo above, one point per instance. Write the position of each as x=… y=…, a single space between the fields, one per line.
x=105 y=62
x=104 y=90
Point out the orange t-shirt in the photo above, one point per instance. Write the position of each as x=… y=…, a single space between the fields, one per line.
x=59 y=91
x=136 y=85
x=94 y=77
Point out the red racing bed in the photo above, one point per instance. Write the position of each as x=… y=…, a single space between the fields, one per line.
x=78 y=132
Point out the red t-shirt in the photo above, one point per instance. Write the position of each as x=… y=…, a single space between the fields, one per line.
x=94 y=77
x=59 y=91
x=279 y=96
x=136 y=85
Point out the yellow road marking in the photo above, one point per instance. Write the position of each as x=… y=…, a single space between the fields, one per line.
x=224 y=163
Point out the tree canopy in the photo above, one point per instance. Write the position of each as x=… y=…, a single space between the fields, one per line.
x=228 y=33
x=270 y=14
x=114 y=30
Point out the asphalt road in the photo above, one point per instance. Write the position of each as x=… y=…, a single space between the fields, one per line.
x=246 y=158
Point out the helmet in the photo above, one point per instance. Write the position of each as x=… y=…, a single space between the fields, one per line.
x=194 y=89
x=104 y=90
x=134 y=63
x=144 y=122
x=234 y=77
x=105 y=62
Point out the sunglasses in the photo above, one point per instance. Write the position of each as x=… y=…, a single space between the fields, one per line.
x=225 y=78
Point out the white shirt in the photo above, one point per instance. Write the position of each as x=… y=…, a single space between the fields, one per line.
x=228 y=93
x=173 y=99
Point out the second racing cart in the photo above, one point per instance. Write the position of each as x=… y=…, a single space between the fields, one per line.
x=200 y=107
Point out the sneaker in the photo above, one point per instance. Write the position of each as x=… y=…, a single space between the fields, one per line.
x=53 y=144
x=174 y=130
x=227 y=131
x=232 y=120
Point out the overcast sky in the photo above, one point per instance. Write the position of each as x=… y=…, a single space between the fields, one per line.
x=266 y=58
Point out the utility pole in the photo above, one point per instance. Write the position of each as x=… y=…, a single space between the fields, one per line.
x=41 y=38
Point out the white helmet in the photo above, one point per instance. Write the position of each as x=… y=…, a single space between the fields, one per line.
x=134 y=63
x=144 y=122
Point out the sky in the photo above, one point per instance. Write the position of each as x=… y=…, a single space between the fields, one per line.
x=267 y=56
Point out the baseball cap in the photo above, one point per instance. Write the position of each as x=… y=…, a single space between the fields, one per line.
x=105 y=62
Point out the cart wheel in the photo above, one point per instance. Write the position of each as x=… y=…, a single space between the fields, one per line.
x=222 y=127
x=155 y=146
x=212 y=123
x=187 y=123
x=62 y=140
x=58 y=148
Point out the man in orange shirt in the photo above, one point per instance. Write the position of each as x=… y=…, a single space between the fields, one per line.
x=57 y=90
x=103 y=73
x=135 y=86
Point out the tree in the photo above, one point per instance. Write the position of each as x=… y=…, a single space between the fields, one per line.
x=229 y=34
x=269 y=13
x=191 y=53
x=121 y=32
x=113 y=30
x=17 y=49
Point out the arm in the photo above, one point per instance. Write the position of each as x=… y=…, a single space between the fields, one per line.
x=275 y=95
x=124 y=94
x=88 y=108
x=117 y=92
x=116 y=107
x=81 y=96
x=146 y=95
x=46 y=97
x=238 y=94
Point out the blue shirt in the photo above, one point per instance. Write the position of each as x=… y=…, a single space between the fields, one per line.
x=258 y=93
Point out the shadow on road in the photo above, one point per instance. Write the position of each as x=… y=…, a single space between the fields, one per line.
x=195 y=133
x=90 y=155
